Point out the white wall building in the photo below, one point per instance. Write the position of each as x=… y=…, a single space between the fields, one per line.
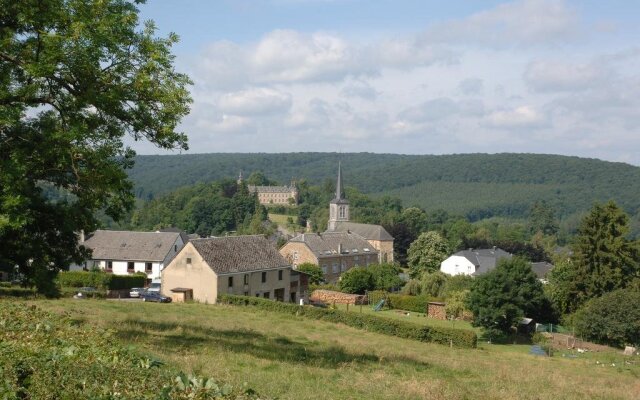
x=473 y=261
x=128 y=252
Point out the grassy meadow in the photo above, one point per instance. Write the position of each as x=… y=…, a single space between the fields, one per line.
x=296 y=358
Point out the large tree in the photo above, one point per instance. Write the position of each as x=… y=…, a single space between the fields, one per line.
x=426 y=253
x=76 y=78
x=499 y=298
x=605 y=258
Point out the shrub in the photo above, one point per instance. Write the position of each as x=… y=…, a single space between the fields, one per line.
x=409 y=303
x=368 y=322
x=357 y=280
x=100 y=280
x=17 y=291
x=64 y=360
x=613 y=319
x=385 y=276
x=433 y=283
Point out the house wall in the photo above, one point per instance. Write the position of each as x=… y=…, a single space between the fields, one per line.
x=457 y=265
x=255 y=286
x=332 y=266
x=197 y=276
x=385 y=249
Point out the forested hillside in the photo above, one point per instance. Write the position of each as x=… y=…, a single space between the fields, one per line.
x=475 y=185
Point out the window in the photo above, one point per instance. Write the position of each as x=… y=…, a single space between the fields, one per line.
x=324 y=269
x=264 y=277
x=189 y=260
x=343 y=267
x=295 y=255
x=175 y=247
x=342 y=212
x=267 y=295
x=148 y=267
x=246 y=279
x=246 y=293
x=130 y=266
x=230 y=281
x=280 y=275
x=335 y=267
x=109 y=265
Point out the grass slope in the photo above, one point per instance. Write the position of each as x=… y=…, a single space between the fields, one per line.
x=296 y=358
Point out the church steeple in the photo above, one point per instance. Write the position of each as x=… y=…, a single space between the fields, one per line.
x=339 y=190
x=339 y=206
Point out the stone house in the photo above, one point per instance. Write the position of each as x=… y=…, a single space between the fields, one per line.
x=334 y=252
x=239 y=265
x=128 y=252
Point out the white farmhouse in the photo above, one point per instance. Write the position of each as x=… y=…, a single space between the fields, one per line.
x=128 y=252
x=473 y=261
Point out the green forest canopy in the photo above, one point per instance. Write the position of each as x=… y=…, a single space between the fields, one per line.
x=477 y=186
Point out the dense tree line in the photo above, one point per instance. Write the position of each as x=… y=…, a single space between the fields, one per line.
x=476 y=186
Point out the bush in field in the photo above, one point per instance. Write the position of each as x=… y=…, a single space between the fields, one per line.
x=613 y=319
x=457 y=283
x=61 y=360
x=433 y=283
x=409 y=303
x=386 y=326
x=455 y=307
x=385 y=276
x=357 y=280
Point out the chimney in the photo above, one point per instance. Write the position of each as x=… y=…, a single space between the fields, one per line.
x=81 y=236
x=339 y=248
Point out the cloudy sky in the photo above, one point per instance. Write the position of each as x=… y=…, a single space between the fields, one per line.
x=412 y=77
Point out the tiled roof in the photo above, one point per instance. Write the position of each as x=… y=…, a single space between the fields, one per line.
x=239 y=253
x=131 y=246
x=329 y=244
x=484 y=259
x=367 y=231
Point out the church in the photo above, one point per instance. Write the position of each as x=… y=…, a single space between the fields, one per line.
x=376 y=235
x=344 y=244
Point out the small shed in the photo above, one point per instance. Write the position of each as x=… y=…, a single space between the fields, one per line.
x=181 y=295
x=436 y=310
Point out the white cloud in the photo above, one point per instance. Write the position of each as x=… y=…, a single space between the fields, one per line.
x=524 y=22
x=558 y=76
x=255 y=101
x=471 y=86
x=360 y=89
x=521 y=117
x=430 y=110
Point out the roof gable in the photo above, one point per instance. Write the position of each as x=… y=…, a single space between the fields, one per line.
x=130 y=245
x=239 y=254
x=330 y=244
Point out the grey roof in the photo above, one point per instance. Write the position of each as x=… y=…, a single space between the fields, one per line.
x=328 y=244
x=484 y=259
x=183 y=234
x=367 y=231
x=541 y=269
x=232 y=254
x=131 y=246
x=339 y=187
x=271 y=189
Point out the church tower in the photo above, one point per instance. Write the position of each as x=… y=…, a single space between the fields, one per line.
x=339 y=206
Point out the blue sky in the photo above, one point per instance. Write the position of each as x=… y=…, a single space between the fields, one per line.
x=419 y=77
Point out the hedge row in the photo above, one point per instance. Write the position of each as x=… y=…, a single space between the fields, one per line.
x=372 y=323
x=62 y=359
x=408 y=303
x=100 y=280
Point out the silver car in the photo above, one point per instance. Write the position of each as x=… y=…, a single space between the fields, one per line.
x=135 y=292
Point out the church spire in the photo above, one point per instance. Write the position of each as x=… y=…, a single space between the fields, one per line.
x=339 y=190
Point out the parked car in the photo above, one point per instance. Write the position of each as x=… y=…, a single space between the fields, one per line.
x=154 y=287
x=154 y=296
x=135 y=292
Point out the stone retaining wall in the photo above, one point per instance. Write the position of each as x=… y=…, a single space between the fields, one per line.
x=330 y=297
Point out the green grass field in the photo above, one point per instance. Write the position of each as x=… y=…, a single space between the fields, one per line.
x=296 y=358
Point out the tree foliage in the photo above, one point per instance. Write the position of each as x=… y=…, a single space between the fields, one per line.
x=76 y=77
x=613 y=319
x=426 y=253
x=316 y=276
x=385 y=276
x=357 y=280
x=501 y=297
x=604 y=257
